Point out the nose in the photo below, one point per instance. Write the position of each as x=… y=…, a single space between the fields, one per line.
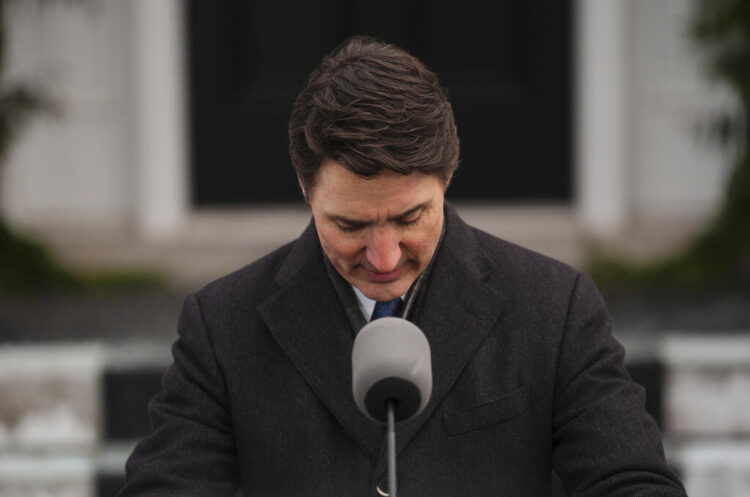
x=383 y=249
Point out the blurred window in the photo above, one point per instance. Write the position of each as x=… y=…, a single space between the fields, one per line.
x=506 y=64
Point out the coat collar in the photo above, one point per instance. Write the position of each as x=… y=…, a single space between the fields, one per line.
x=310 y=325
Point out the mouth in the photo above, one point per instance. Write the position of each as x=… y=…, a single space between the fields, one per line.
x=388 y=277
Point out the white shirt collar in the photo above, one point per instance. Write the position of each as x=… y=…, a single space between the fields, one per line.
x=366 y=305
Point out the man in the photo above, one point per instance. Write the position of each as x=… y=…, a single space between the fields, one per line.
x=527 y=377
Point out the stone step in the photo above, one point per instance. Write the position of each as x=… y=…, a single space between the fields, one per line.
x=59 y=475
x=71 y=412
x=715 y=468
x=707 y=387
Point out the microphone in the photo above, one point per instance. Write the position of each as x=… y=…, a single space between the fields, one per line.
x=391 y=377
x=391 y=361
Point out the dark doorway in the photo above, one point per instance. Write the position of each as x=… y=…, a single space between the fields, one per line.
x=506 y=64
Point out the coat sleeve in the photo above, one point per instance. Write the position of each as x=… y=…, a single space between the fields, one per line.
x=191 y=449
x=604 y=441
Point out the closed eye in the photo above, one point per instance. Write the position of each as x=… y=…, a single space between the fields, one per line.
x=348 y=227
x=410 y=217
x=408 y=221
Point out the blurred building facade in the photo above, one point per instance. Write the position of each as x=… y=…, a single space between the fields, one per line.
x=115 y=166
x=109 y=182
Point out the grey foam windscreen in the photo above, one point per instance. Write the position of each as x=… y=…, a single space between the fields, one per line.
x=391 y=360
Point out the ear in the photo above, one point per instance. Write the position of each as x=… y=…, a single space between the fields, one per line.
x=302 y=189
x=448 y=182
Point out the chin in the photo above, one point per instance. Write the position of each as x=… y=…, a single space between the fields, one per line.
x=382 y=292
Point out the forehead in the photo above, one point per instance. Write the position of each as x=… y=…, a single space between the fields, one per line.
x=337 y=185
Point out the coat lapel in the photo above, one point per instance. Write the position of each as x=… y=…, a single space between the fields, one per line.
x=468 y=309
x=309 y=324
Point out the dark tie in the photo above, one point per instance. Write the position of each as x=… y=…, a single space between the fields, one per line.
x=385 y=309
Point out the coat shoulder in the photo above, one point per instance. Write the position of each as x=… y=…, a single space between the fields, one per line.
x=519 y=267
x=241 y=291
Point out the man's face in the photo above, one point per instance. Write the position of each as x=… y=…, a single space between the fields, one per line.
x=379 y=233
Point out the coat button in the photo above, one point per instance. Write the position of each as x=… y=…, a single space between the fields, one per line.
x=380 y=492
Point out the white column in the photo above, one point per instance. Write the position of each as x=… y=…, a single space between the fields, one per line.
x=601 y=178
x=161 y=126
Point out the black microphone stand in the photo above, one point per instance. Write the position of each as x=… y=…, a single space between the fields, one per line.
x=390 y=407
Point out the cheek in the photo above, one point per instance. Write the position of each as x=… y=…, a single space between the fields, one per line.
x=337 y=246
x=419 y=246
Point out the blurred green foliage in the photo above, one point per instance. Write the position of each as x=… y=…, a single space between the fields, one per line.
x=27 y=267
x=719 y=256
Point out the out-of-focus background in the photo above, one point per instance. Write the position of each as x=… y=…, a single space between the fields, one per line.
x=143 y=153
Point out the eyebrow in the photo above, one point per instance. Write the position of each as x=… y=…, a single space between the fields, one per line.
x=358 y=222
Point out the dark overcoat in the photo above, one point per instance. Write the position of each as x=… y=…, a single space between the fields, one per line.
x=527 y=380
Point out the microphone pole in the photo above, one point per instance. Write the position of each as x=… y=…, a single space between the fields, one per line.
x=390 y=407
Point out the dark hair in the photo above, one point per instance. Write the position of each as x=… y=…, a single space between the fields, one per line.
x=371 y=106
